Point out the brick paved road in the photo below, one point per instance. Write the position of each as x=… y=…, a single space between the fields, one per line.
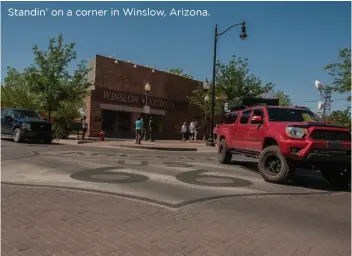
x=42 y=221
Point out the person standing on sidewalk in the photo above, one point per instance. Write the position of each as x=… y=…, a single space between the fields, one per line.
x=191 y=131
x=150 y=127
x=215 y=131
x=196 y=128
x=84 y=126
x=139 y=126
x=184 y=131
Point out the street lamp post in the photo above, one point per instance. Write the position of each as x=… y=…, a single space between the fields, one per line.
x=147 y=89
x=217 y=35
x=206 y=87
x=206 y=99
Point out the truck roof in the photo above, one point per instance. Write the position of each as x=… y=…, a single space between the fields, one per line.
x=262 y=106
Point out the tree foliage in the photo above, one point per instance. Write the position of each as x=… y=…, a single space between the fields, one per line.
x=284 y=99
x=234 y=80
x=341 y=71
x=201 y=99
x=341 y=117
x=16 y=92
x=179 y=72
x=50 y=79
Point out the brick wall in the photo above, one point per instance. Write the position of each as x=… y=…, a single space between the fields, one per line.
x=124 y=77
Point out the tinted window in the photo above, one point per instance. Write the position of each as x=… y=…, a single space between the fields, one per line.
x=258 y=112
x=4 y=112
x=230 y=118
x=291 y=115
x=245 y=117
x=10 y=112
x=25 y=114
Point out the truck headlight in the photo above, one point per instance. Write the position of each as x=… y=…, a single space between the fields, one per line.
x=26 y=126
x=295 y=132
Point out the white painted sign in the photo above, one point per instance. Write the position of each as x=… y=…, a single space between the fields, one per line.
x=147 y=109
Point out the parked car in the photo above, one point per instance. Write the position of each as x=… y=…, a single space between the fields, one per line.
x=285 y=138
x=24 y=124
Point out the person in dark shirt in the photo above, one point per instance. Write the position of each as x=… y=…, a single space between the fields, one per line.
x=150 y=128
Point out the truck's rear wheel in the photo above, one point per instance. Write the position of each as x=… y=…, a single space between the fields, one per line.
x=224 y=155
x=273 y=166
x=338 y=177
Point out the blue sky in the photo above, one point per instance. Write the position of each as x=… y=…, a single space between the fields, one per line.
x=288 y=43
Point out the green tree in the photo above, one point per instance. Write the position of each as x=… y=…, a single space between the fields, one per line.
x=179 y=72
x=51 y=80
x=341 y=71
x=68 y=111
x=341 y=117
x=16 y=92
x=234 y=80
x=284 y=99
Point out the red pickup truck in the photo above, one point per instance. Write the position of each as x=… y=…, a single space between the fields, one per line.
x=285 y=138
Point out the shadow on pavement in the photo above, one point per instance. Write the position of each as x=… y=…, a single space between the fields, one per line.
x=29 y=142
x=302 y=178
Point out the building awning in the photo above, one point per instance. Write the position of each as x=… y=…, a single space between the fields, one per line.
x=131 y=109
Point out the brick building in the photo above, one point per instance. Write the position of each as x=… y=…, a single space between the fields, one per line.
x=118 y=97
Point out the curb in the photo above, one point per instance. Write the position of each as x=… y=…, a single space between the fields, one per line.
x=71 y=142
x=159 y=148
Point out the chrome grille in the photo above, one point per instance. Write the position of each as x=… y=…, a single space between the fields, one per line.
x=330 y=135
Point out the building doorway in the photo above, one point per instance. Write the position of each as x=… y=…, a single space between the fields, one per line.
x=117 y=124
x=157 y=125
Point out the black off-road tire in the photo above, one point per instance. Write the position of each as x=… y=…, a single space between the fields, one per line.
x=224 y=155
x=338 y=177
x=17 y=135
x=284 y=171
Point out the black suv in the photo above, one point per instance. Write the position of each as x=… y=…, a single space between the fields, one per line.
x=24 y=124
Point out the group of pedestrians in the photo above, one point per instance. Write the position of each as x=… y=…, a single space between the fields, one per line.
x=141 y=130
x=191 y=132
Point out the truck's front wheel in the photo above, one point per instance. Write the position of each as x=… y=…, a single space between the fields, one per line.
x=224 y=155
x=17 y=135
x=273 y=166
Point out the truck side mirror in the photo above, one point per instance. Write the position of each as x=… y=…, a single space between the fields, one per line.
x=257 y=120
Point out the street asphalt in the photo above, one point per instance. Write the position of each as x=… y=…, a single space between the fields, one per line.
x=86 y=200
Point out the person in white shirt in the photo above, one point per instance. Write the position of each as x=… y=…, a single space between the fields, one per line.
x=184 y=131
x=191 y=131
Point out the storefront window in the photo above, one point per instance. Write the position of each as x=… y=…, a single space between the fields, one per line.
x=117 y=123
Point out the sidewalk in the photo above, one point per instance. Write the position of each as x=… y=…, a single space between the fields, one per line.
x=72 y=223
x=162 y=145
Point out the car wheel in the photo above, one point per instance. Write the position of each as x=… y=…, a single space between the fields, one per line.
x=339 y=177
x=273 y=166
x=48 y=140
x=224 y=155
x=17 y=135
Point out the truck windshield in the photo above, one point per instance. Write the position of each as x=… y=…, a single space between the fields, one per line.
x=26 y=114
x=292 y=115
